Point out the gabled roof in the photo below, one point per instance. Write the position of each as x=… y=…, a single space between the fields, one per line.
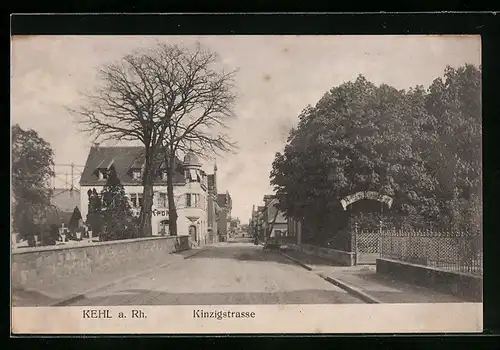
x=124 y=159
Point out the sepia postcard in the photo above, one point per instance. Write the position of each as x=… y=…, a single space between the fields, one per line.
x=246 y=184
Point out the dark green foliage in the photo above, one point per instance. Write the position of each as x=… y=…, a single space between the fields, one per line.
x=32 y=162
x=116 y=215
x=94 y=216
x=75 y=218
x=421 y=147
x=50 y=235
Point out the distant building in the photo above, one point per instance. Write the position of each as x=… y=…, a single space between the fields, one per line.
x=191 y=190
x=213 y=210
x=257 y=222
x=267 y=220
x=276 y=220
x=225 y=204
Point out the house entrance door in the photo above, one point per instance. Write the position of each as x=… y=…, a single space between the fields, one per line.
x=163 y=228
x=192 y=234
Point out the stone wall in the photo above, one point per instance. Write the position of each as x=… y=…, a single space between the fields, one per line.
x=43 y=265
x=467 y=286
x=337 y=257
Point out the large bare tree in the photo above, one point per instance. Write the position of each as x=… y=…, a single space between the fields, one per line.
x=163 y=97
x=199 y=125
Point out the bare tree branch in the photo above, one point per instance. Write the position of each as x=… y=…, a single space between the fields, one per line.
x=169 y=98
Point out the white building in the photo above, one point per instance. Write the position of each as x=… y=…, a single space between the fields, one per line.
x=190 y=188
x=274 y=218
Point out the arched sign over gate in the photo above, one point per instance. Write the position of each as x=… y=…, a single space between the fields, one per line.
x=348 y=200
x=366 y=242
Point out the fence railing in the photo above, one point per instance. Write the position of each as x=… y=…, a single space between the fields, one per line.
x=457 y=251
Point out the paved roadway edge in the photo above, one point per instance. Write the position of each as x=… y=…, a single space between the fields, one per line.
x=345 y=286
x=80 y=296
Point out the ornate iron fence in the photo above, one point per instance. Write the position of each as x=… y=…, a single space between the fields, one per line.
x=449 y=250
x=367 y=245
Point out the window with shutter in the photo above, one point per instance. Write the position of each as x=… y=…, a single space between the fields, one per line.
x=193 y=175
x=162 y=200
x=188 y=200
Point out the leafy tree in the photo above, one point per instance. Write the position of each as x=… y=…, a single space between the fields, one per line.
x=234 y=222
x=94 y=216
x=75 y=218
x=117 y=214
x=454 y=153
x=32 y=163
x=362 y=137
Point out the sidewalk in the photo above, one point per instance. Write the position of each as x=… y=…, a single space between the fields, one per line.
x=365 y=283
x=68 y=289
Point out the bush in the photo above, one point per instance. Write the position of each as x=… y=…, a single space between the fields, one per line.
x=48 y=237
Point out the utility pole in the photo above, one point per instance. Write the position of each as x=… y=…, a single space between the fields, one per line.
x=54 y=177
x=72 y=177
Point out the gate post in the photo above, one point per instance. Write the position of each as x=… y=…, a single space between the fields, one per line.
x=380 y=238
x=355 y=243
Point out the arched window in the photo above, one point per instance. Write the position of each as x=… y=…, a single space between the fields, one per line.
x=163 y=228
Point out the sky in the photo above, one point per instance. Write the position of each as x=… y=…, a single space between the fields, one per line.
x=278 y=76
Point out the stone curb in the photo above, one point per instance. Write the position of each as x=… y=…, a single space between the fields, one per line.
x=350 y=289
x=80 y=296
x=298 y=262
x=345 y=286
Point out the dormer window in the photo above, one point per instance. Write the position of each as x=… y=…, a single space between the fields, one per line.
x=102 y=170
x=136 y=174
x=102 y=174
x=192 y=175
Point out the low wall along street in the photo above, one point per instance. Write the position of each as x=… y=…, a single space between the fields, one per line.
x=46 y=265
x=335 y=256
x=467 y=286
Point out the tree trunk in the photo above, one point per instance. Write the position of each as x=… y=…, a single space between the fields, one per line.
x=147 y=197
x=146 y=214
x=172 y=210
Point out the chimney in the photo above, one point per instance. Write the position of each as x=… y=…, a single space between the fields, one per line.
x=96 y=144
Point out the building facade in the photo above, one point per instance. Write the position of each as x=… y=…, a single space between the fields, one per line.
x=225 y=205
x=267 y=220
x=213 y=211
x=276 y=223
x=191 y=193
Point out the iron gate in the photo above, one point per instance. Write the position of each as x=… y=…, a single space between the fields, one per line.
x=367 y=246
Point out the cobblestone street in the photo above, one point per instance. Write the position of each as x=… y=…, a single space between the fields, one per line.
x=225 y=274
